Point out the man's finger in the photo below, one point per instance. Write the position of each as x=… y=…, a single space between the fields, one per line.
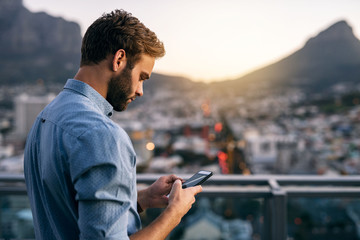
x=196 y=189
x=176 y=186
x=171 y=178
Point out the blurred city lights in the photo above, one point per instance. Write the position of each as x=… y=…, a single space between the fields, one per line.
x=218 y=127
x=150 y=146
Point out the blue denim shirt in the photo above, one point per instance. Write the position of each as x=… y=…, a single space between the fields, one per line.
x=80 y=169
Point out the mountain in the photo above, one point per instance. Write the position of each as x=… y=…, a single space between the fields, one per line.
x=160 y=83
x=331 y=57
x=36 y=45
x=171 y=83
x=39 y=46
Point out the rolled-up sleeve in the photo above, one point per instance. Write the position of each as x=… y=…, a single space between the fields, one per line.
x=102 y=166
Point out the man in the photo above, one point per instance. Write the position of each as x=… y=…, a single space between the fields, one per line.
x=79 y=165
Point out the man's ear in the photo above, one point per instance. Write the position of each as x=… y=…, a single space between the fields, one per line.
x=119 y=60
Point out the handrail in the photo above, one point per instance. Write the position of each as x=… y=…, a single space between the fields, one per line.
x=235 y=185
x=232 y=179
x=236 y=178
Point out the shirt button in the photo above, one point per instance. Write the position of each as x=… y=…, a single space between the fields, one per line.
x=43 y=120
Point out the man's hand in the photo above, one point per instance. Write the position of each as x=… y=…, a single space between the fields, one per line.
x=182 y=199
x=155 y=196
x=179 y=202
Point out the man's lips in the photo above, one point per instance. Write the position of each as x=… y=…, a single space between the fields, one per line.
x=131 y=99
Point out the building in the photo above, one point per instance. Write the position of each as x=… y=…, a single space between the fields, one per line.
x=26 y=110
x=270 y=153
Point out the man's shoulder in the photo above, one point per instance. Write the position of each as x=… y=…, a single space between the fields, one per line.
x=76 y=114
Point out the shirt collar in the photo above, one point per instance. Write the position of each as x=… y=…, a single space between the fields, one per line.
x=90 y=93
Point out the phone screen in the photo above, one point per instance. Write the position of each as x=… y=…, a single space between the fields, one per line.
x=197 y=179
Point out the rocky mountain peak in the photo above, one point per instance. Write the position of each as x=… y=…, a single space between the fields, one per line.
x=44 y=46
x=339 y=32
x=329 y=58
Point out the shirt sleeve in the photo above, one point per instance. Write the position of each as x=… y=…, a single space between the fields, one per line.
x=102 y=167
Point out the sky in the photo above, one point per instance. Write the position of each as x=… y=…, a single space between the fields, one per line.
x=214 y=40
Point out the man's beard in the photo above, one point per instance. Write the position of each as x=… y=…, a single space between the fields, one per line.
x=120 y=90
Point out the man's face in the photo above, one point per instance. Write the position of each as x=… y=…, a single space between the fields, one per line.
x=128 y=84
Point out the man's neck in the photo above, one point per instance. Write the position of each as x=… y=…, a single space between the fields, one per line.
x=96 y=76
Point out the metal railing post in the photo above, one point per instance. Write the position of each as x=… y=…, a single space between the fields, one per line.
x=267 y=229
x=276 y=210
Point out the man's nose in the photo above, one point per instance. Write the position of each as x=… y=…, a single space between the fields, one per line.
x=139 y=91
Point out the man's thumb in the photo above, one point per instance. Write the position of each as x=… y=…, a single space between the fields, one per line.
x=176 y=186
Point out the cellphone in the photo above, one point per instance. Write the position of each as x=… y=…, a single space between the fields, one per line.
x=197 y=179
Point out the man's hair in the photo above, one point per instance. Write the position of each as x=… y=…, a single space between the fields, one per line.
x=119 y=30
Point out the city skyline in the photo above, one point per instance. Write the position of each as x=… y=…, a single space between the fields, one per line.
x=212 y=40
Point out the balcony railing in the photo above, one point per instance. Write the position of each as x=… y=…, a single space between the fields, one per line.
x=273 y=189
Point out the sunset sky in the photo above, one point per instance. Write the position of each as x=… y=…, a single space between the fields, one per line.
x=208 y=40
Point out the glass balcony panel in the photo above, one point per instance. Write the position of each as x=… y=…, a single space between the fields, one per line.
x=15 y=217
x=216 y=218
x=323 y=218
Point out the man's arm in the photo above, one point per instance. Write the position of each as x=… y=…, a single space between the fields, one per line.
x=104 y=178
x=179 y=203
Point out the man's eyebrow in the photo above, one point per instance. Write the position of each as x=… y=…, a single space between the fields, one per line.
x=145 y=76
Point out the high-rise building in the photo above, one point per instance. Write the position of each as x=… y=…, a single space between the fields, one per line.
x=26 y=110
